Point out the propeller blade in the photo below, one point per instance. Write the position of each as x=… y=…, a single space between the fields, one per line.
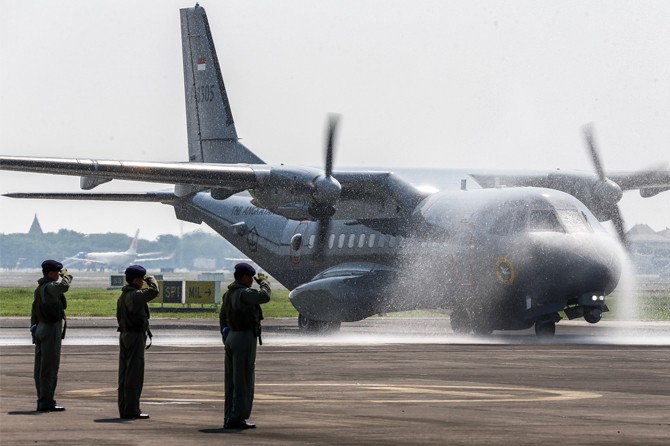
x=606 y=194
x=328 y=190
x=617 y=220
x=590 y=142
x=333 y=121
x=322 y=235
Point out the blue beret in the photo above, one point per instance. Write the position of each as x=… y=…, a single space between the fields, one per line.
x=245 y=269
x=135 y=271
x=51 y=265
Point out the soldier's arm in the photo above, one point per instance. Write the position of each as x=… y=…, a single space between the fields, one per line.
x=58 y=288
x=152 y=287
x=253 y=297
x=136 y=300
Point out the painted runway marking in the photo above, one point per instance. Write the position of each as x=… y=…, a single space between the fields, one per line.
x=330 y=393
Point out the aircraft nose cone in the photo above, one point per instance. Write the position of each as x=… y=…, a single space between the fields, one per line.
x=577 y=264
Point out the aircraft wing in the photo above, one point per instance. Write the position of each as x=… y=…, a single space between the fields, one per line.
x=570 y=181
x=376 y=195
x=599 y=195
x=364 y=195
x=155 y=259
x=230 y=177
x=650 y=182
x=161 y=197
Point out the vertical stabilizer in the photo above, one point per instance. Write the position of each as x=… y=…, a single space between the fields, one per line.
x=133 y=244
x=212 y=137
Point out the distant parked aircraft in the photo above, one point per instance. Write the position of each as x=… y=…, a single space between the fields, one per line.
x=118 y=259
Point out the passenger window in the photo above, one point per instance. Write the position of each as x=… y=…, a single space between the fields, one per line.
x=340 y=241
x=382 y=241
x=361 y=241
x=331 y=241
x=543 y=220
x=311 y=241
x=371 y=241
x=352 y=237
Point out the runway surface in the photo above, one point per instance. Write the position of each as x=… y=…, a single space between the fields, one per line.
x=382 y=381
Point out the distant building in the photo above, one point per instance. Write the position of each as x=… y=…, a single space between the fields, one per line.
x=35 y=228
x=650 y=250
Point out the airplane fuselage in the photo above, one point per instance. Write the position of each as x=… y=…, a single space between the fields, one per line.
x=510 y=256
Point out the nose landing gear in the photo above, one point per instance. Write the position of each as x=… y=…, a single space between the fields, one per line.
x=592 y=314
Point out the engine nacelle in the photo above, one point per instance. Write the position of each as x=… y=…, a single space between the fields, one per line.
x=299 y=194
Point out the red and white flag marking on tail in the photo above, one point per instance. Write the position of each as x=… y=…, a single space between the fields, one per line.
x=201 y=64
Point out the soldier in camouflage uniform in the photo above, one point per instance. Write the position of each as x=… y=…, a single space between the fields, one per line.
x=46 y=325
x=240 y=322
x=132 y=314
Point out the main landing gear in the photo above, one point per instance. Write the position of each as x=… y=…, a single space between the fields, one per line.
x=317 y=327
x=462 y=323
x=545 y=329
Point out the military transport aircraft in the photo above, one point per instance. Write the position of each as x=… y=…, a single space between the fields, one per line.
x=351 y=244
x=114 y=259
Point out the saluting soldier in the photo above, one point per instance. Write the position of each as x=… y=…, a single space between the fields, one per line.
x=132 y=314
x=240 y=322
x=46 y=325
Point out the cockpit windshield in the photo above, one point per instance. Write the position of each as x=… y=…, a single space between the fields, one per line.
x=544 y=220
x=573 y=220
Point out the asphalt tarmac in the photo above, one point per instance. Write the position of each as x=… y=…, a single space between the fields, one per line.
x=380 y=382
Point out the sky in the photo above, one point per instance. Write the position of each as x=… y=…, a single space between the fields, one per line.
x=466 y=84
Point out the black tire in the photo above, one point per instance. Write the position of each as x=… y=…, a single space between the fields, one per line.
x=481 y=328
x=312 y=326
x=592 y=315
x=460 y=322
x=545 y=329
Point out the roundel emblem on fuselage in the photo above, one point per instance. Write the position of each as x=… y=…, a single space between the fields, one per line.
x=505 y=271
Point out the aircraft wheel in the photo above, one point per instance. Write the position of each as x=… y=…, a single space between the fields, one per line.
x=312 y=326
x=592 y=314
x=545 y=329
x=460 y=321
x=481 y=328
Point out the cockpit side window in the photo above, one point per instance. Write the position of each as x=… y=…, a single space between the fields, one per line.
x=544 y=220
x=574 y=220
x=501 y=225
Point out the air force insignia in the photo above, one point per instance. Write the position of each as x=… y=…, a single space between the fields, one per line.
x=505 y=271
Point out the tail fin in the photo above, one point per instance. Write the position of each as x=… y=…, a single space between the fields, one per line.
x=212 y=137
x=133 y=244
